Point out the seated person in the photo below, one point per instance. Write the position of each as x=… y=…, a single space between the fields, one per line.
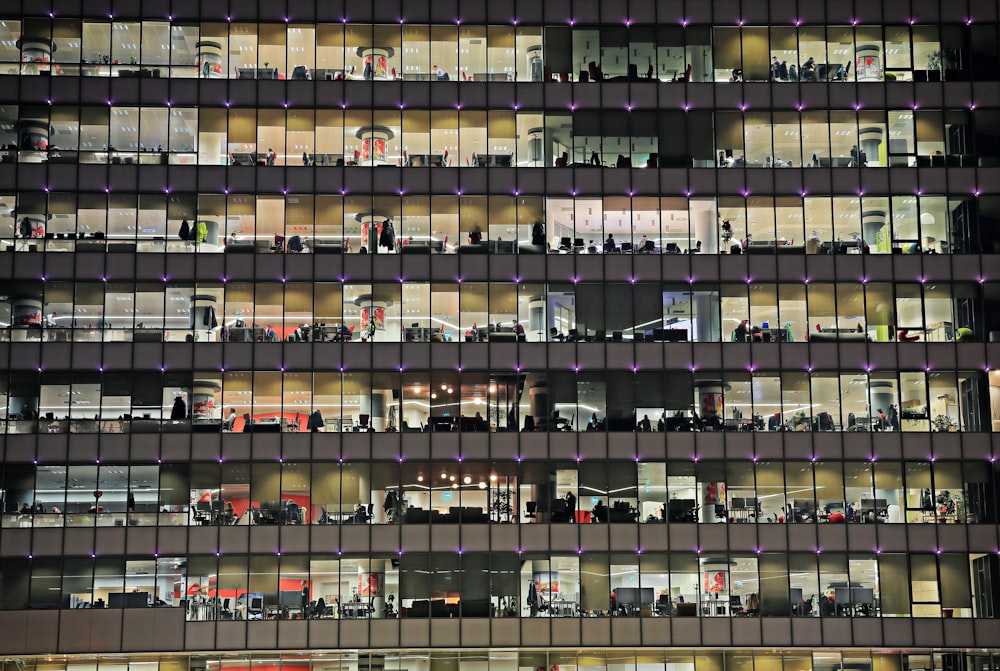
x=475 y=237
x=600 y=512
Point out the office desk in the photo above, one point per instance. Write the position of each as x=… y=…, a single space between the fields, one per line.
x=257 y=73
x=563 y=608
x=354 y=611
x=424 y=160
x=492 y=161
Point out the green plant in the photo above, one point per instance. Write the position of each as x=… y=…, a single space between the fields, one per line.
x=943 y=423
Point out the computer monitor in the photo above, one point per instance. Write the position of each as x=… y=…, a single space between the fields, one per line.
x=802 y=505
x=862 y=595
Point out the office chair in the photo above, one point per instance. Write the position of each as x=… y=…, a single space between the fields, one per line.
x=279 y=243
x=530 y=509
x=578 y=245
x=626 y=248
x=649 y=247
x=565 y=244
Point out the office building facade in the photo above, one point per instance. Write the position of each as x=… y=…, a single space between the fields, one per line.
x=512 y=336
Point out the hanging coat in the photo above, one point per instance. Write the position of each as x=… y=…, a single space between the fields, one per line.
x=208 y=318
x=185 y=231
x=387 y=238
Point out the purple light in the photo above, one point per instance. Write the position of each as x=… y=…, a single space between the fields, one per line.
x=754 y=458
x=401 y=279
x=458 y=106
x=695 y=458
x=516 y=106
x=800 y=107
x=746 y=192
x=690 y=280
x=638 y=551
x=572 y=22
x=688 y=193
x=873 y=458
x=911 y=21
x=459 y=279
x=401 y=192
x=628 y=107
x=797 y=22
x=869 y=368
x=574 y=279
x=402 y=20
x=400 y=368
x=968 y=21
x=692 y=368
x=864 y=280
x=980 y=279
x=166 y=189
x=630 y=193
x=805 y=280
x=401 y=105
x=686 y=107
x=344 y=19
x=48 y=100
x=227 y=103
x=743 y=107
x=458 y=368
x=748 y=279
x=285 y=104
x=460 y=551
x=572 y=107
x=937 y=551
x=632 y=279
x=861 y=193
x=635 y=369
x=100 y=369
x=857 y=106
x=854 y=22
x=697 y=550
x=573 y=192
x=400 y=458
x=915 y=106
x=228 y=17
x=517 y=192
x=757 y=550
x=813 y=458
x=818 y=550
x=458 y=21
x=684 y=22
x=287 y=19
x=752 y=368
x=740 y=22
x=576 y=368
x=628 y=23
x=224 y=279
x=458 y=192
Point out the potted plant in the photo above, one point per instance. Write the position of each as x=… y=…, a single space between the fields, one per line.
x=943 y=423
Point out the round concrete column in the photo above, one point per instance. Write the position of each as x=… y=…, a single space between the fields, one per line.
x=33 y=139
x=871 y=141
x=378 y=58
x=868 y=63
x=711 y=400
x=706 y=231
x=707 y=305
x=209 y=58
x=539 y=402
x=536 y=67
x=880 y=396
x=374 y=141
x=873 y=227
x=373 y=318
x=36 y=54
x=25 y=317
x=203 y=406
x=538 y=327
x=374 y=406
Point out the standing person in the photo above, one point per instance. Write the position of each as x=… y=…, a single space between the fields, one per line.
x=893 y=418
x=304 y=605
x=571 y=507
x=184 y=232
x=532 y=598
x=179 y=411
